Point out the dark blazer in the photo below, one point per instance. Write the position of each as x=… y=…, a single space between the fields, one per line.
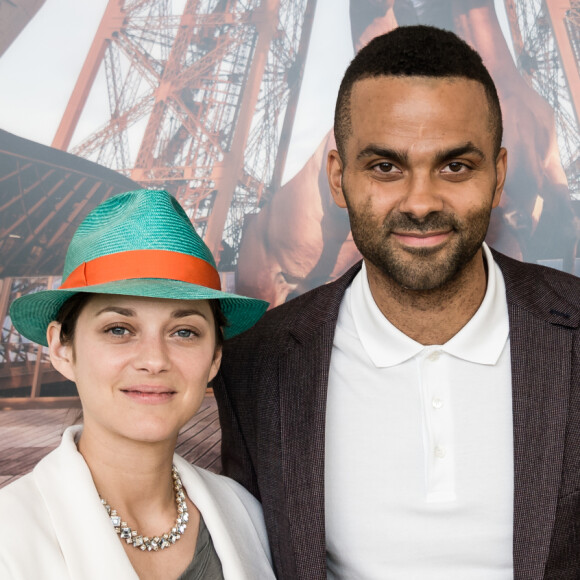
x=271 y=394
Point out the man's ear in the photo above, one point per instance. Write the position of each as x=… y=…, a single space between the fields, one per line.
x=501 y=173
x=334 y=172
x=61 y=355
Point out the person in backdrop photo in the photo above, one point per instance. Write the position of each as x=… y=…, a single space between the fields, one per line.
x=138 y=325
x=418 y=417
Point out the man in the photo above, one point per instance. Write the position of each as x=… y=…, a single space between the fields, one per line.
x=418 y=417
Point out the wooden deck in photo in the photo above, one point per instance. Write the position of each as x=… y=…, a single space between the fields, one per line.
x=27 y=435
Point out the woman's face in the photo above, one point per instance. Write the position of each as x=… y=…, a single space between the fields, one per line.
x=141 y=365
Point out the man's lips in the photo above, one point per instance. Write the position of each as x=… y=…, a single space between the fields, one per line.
x=421 y=239
x=149 y=393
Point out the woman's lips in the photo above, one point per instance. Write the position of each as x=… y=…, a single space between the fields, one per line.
x=149 y=394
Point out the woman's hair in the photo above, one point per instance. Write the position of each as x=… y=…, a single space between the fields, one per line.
x=70 y=311
x=220 y=321
x=69 y=314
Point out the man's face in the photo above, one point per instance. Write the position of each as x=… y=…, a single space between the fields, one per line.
x=420 y=176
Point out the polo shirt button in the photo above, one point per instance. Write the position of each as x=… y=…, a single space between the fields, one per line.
x=440 y=452
x=434 y=356
x=437 y=403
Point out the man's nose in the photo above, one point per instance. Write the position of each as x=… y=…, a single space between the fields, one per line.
x=422 y=196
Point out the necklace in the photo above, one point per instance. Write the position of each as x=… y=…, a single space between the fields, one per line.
x=158 y=542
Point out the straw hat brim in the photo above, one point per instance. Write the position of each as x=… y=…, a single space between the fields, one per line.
x=31 y=314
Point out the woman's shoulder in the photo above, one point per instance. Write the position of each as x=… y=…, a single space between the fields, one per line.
x=16 y=495
x=24 y=495
x=24 y=522
x=20 y=499
x=23 y=502
x=23 y=507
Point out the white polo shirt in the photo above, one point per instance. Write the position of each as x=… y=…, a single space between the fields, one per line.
x=419 y=446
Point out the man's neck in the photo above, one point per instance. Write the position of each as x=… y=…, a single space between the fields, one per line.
x=431 y=316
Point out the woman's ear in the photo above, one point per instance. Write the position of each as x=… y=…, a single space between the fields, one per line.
x=61 y=355
x=215 y=365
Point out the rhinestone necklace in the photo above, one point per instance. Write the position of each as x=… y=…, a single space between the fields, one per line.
x=158 y=542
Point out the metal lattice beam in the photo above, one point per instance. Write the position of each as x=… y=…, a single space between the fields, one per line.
x=198 y=102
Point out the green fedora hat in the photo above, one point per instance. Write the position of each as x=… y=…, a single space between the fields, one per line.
x=139 y=243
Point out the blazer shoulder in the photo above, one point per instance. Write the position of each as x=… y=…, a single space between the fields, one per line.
x=309 y=310
x=543 y=291
x=24 y=515
x=19 y=500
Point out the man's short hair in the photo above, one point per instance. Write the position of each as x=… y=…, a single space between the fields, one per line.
x=410 y=51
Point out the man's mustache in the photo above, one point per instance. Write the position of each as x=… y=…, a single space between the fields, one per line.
x=431 y=222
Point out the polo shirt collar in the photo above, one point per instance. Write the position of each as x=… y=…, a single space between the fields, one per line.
x=481 y=340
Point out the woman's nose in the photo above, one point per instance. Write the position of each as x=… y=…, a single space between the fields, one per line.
x=152 y=354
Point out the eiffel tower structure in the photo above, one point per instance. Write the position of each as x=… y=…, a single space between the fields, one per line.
x=546 y=40
x=201 y=102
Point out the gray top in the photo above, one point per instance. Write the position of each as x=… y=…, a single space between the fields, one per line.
x=206 y=564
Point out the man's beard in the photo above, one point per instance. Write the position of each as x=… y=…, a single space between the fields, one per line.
x=419 y=268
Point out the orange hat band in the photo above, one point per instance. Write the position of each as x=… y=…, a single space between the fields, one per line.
x=144 y=264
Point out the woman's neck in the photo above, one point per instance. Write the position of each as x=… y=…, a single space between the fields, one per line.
x=133 y=476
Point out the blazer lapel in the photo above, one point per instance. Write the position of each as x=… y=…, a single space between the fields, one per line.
x=89 y=546
x=304 y=369
x=227 y=515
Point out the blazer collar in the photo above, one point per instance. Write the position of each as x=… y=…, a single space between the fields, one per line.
x=323 y=310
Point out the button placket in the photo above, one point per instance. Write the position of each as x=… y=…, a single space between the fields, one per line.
x=438 y=428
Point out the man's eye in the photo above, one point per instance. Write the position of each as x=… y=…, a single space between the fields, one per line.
x=384 y=167
x=456 y=167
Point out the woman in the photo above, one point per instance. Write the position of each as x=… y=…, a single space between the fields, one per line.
x=137 y=325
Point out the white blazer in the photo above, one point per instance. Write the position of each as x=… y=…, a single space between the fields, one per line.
x=53 y=525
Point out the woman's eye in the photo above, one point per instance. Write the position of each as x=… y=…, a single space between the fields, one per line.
x=185 y=333
x=117 y=330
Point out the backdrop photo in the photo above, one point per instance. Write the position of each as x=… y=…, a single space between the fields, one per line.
x=228 y=105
